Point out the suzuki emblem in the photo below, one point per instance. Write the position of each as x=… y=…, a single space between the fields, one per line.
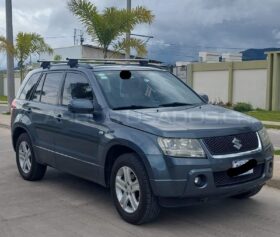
x=237 y=143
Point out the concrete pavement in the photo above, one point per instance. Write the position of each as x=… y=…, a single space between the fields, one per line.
x=3 y=108
x=63 y=205
x=5 y=120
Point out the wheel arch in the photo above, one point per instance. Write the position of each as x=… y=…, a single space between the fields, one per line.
x=17 y=131
x=119 y=148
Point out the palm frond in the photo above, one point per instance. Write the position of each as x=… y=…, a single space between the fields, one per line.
x=133 y=43
x=112 y=23
x=6 y=46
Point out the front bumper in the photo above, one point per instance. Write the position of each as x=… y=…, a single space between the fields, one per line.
x=175 y=179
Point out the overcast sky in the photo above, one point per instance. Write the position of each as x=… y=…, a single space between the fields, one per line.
x=181 y=28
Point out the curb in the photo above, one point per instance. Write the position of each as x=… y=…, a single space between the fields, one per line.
x=4 y=126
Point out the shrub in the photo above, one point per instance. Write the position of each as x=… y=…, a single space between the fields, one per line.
x=243 y=107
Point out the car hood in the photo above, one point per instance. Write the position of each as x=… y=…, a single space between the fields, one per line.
x=190 y=122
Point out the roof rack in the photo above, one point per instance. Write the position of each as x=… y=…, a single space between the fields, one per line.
x=47 y=63
x=142 y=62
x=73 y=62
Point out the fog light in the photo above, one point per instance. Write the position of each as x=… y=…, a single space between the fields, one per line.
x=200 y=181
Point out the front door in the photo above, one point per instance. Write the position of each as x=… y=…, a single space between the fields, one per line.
x=78 y=139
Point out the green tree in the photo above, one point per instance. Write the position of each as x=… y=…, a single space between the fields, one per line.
x=5 y=46
x=57 y=57
x=109 y=27
x=28 y=44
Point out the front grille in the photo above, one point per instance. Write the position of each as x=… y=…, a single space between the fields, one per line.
x=224 y=145
x=222 y=179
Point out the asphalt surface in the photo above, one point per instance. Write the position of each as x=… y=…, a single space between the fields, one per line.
x=63 y=205
x=3 y=108
x=274 y=135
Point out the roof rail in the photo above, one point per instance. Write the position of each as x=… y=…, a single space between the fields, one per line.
x=111 y=61
x=141 y=62
x=72 y=62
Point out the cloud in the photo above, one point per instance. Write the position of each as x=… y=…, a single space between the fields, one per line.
x=180 y=30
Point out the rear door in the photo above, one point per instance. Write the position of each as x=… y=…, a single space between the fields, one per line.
x=43 y=106
x=78 y=139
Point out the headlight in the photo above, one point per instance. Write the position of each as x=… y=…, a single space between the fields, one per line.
x=264 y=137
x=181 y=147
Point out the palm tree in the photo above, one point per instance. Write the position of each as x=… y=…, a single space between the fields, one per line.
x=109 y=27
x=28 y=44
x=5 y=46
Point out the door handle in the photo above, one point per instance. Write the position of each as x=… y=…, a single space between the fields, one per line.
x=58 y=117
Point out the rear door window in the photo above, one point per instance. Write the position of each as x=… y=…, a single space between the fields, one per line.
x=76 y=86
x=29 y=87
x=51 y=88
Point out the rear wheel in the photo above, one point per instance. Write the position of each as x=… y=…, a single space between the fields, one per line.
x=27 y=165
x=131 y=191
x=249 y=193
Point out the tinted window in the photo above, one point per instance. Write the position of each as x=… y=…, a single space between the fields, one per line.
x=37 y=92
x=50 y=92
x=29 y=87
x=76 y=86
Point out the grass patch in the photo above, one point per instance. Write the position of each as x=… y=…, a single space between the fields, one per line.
x=277 y=152
x=266 y=115
x=272 y=126
x=3 y=98
x=6 y=113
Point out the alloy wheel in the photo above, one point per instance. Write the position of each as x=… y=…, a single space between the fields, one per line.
x=127 y=189
x=25 y=157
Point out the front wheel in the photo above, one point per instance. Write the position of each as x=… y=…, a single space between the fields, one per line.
x=131 y=191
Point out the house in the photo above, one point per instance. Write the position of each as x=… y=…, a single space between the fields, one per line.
x=80 y=51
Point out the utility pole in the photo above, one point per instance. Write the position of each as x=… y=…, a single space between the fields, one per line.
x=127 y=53
x=10 y=57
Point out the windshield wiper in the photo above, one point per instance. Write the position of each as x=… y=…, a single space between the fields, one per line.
x=175 y=104
x=133 y=107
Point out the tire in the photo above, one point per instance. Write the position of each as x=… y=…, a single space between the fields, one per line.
x=249 y=194
x=141 y=206
x=27 y=165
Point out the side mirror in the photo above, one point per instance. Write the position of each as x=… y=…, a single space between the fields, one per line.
x=81 y=106
x=205 y=98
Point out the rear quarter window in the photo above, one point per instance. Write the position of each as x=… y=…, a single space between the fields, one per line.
x=29 y=86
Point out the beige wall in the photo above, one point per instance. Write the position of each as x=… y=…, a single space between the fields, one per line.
x=231 y=82
x=211 y=83
x=17 y=85
x=250 y=86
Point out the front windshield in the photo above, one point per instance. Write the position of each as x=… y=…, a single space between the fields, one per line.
x=145 y=89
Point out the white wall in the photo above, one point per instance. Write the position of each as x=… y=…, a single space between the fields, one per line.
x=88 y=52
x=250 y=86
x=212 y=83
x=67 y=52
x=17 y=85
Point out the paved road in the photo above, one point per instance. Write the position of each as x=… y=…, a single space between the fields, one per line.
x=274 y=135
x=62 y=205
x=3 y=108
